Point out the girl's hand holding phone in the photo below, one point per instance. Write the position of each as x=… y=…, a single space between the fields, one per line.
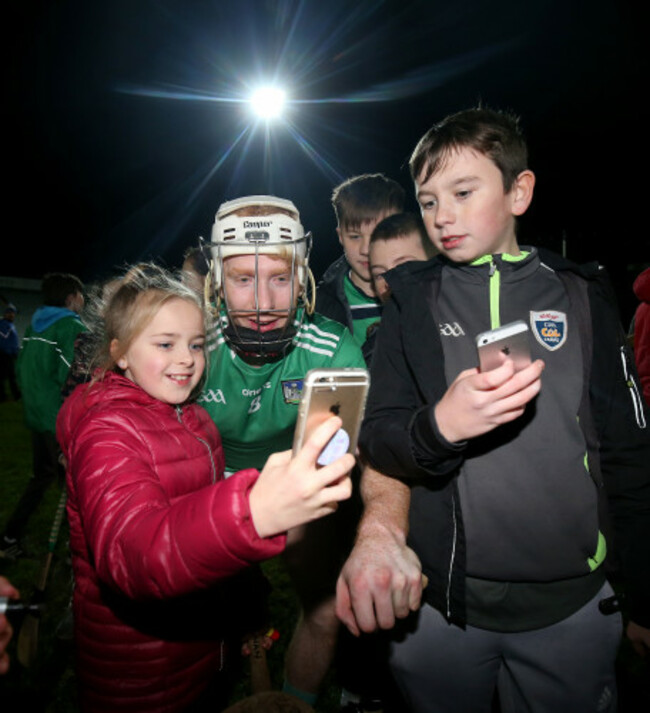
x=294 y=491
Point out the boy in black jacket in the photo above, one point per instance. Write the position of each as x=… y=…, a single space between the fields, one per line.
x=512 y=475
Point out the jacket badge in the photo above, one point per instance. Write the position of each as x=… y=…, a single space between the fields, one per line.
x=292 y=391
x=550 y=328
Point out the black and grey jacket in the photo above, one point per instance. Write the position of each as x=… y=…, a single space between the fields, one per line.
x=330 y=294
x=536 y=495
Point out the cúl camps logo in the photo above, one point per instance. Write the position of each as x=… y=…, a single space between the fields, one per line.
x=550 y=328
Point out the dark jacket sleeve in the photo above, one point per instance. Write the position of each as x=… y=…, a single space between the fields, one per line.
x=399 y=436
x=624 y=436
x=330 y=295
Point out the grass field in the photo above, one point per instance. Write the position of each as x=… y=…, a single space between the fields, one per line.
x=49 y=686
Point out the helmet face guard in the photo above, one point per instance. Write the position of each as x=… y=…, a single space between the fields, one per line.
x=278 y=235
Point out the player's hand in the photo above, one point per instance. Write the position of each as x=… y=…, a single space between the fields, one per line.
x=294 y=491
x=380 y=581
x=639 y=637
x=477 y=402
x=6 y=590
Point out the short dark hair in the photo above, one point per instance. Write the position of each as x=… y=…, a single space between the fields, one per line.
x=400 y=225
x=57 y=286
x=363 y=198
x=495 y=134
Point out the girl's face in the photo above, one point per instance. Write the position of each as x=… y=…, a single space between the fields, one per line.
x=166 y=359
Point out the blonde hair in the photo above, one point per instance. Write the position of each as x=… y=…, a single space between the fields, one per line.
x=129 y=307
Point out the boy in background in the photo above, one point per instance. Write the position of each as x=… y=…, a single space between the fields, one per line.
x=511 y=475
x=397 y=239
x=346 y=292
x=9 y=345
x=41 y=369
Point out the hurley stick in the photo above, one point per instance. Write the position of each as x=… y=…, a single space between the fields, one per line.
x=27 y=642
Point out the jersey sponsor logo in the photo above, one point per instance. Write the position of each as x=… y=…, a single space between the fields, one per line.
x=256 y=392
x=451 y=329
x=292 y=391
x=212 y=396
x=251 y=392
x=550 y=328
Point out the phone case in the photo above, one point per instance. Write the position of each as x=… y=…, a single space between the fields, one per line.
x=510 y=340
x=332 y=391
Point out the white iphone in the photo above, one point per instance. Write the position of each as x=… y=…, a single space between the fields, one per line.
x=510 y=340
x=341 y=392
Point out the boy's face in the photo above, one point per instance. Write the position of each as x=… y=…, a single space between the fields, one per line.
x=262 y=299
x=387 y=254
x=465 y=210
x=355 y=242
x=75 y=302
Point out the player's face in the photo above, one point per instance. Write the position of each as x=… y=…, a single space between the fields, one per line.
x=465 y=210
x=166 y=359
x=356 y=243
x=387 y=254
x=263 y=296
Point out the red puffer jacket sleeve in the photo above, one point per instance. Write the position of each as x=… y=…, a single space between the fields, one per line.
x=154 y=524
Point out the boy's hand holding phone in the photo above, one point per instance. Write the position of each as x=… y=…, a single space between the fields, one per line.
x=481 y=399
x=477 y=402
x=509 y=341
x=292 y=491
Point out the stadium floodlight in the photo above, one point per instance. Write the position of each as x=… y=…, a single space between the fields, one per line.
x=268 y=102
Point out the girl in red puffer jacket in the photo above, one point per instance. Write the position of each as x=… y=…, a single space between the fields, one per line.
x=157 y=535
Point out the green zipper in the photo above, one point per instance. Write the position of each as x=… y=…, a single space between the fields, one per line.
x=495 y=283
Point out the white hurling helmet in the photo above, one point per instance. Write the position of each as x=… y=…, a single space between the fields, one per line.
x=274 y=234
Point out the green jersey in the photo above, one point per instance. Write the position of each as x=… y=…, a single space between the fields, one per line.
x=365 y=310
x=255 y=407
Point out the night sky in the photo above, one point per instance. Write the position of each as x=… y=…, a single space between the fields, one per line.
x=125 y=125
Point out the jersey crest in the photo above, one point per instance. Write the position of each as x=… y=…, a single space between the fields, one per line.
x=550 y=328
x=292 y=391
